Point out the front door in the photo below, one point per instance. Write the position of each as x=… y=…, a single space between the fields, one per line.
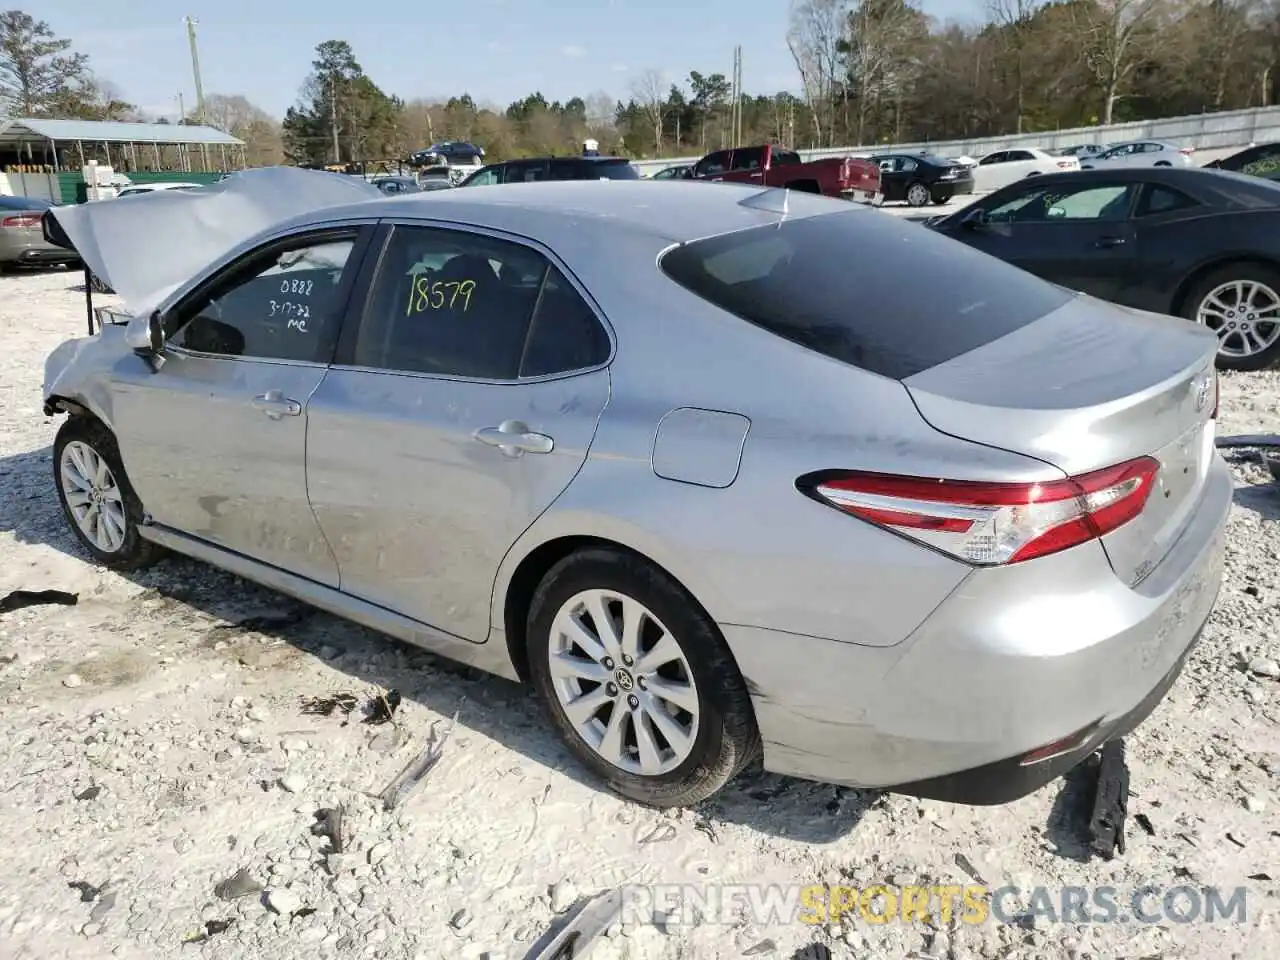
x=894 y=176
x=460 y=410
x=214 y=441
x=1081 y=236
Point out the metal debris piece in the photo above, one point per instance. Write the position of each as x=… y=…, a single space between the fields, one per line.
x=267 y=622
x=327 y=706
x=761 y=949
x=238 y=885
x=211 y=929
x=34 y=598
x=88 y=892
x=1236 y=840
x=587 y=923
x=417 y=768
x=329 y=824
x=304 y=912
x=967 y=866
x=659 y=834
x=1110 y=803
x=88 y=793
x=1259 y=876
x=1145 y=823
x=707 y=827
x=383 y=707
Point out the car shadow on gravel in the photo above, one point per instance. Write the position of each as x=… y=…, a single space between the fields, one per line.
x=1263 y=499
x=494 y=707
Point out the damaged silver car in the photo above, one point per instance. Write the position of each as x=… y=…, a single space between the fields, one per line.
x=721 y=472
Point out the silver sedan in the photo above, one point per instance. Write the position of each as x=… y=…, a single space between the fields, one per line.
x=719 y=471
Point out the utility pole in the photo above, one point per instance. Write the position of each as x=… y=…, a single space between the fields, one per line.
x=182 y=108
x=735 y=121
x=195 y=66
x=333 y=117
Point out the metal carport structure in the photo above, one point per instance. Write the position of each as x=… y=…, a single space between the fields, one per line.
x=37 y=141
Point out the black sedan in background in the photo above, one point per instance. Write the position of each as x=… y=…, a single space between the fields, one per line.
x=917 y=178
x=1200 y=244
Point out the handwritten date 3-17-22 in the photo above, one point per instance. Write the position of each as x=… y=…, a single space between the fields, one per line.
x=296 y=315
x=441 y=295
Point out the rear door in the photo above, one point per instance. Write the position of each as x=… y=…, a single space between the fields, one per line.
x=713 y=166
x=893 y=180
x=459 y=408
x=1079 y=236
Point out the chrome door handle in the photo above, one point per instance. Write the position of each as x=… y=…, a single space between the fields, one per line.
x=513 y=438
x=276 y=405
x=1104 y=242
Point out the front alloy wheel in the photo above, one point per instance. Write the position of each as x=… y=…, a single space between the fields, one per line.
x=93 y=497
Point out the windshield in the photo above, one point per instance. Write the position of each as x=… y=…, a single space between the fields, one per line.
x=909 y=300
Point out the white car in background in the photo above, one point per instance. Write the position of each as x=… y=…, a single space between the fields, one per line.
x=1004 y=167
x=1141 y=153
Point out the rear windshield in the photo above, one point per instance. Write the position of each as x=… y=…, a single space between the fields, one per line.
x=615 y=170
x=881 y=294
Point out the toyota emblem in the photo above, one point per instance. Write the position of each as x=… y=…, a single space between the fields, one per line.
x=1202 y=393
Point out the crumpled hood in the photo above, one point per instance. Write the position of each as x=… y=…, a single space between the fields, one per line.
x=148 y=245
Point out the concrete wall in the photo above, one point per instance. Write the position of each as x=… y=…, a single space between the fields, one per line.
x=1207 y=131
x=44 y=186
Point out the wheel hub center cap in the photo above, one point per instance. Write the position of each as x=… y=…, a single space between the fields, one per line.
x=623 y=679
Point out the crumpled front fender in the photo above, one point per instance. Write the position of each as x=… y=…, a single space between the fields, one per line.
x=78 y=371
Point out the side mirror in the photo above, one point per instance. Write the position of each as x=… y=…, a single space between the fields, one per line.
x=975 y=219
x=146 y=334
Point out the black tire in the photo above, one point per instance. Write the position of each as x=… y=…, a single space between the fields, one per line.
x=726 y=740
x=134 y=552
x=1232 y=273
x=914 y=197
x=941 y=201
x=1163 y=163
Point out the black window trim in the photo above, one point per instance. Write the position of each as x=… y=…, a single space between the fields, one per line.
x=371 y=267
x=226 y=272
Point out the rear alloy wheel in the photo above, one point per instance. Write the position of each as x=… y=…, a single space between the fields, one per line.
x=1241 y=304
x=97 y=498
x=637 y=680
x=917 y=195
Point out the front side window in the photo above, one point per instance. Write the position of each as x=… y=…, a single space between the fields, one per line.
x=748 y=159
x=485 y=177
x=450 y=303
x=526 y=172
x=712 y=165
x=284 y=305
x=614 y=170
x=991 y=158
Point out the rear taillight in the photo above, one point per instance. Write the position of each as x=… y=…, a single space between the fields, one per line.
x=1188 y=150
x=989 y=524
x=22 y=220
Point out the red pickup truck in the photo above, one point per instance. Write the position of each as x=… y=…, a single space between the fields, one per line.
x=772 y=166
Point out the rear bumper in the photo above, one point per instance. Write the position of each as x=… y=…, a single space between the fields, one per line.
x=875 y=198
x=951 y=188
x=1015 y=659
x=28 y=253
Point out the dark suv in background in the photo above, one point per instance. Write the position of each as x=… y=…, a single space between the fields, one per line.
x=536 y=169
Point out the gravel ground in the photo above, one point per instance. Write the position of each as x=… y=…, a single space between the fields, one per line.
x=153 y=744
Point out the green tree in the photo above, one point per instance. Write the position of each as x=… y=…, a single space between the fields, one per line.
x=38 y=76
x=342 y=115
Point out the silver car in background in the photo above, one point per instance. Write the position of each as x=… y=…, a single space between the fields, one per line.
x=717 y=471
x=1140 y=153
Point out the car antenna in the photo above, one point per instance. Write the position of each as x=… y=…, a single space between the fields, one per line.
x=768 y=200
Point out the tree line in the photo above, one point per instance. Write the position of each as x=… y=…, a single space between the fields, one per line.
x=870 y=71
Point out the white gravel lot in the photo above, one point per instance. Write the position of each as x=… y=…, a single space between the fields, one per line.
x=187 y=727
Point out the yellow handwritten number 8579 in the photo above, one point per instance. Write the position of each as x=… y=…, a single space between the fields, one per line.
x=424 y=295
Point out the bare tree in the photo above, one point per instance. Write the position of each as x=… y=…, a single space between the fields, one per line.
x=882 y=55
x=817 y=30
x=1118 y=36
x=239 y=117
x=650 y=92
x=1017 y=20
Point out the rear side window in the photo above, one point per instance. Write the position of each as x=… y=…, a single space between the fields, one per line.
x=615 y=170
x=786 y=158
x=865 y=289
x=565 y=335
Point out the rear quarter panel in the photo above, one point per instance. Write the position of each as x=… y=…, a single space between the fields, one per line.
x=1173 y=252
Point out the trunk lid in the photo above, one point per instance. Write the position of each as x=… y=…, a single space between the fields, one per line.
x=1088 y=386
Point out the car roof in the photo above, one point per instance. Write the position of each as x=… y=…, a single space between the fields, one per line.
x=1200 y=181
x=567 y=156
x=670 y=210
